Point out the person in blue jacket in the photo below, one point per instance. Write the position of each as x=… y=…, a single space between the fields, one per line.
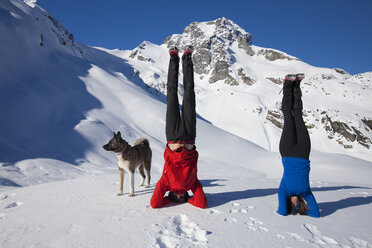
x=294 y=193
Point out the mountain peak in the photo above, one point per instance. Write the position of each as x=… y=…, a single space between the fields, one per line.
x=212 y=41
x=227 y=29
x=201 y=32
x=216 y=44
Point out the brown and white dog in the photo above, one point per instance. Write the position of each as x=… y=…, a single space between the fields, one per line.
x=131 y=157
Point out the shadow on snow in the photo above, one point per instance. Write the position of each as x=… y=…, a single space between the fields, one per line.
x=45 y=102
x=327 y=208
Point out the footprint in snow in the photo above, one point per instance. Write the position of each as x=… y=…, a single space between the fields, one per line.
x=240 y=209
x=180 y=232
x=13 y=205
x=255 y=225
x=359 y=243
x=279 y=236
x=298 y=237
x=244 y=211
x=362 y=193
x=318 y=237
x=3 y=197
x=213 y=211
x=233 y=211
x=231 y=220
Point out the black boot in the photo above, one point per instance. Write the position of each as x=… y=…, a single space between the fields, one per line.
x=173 y=51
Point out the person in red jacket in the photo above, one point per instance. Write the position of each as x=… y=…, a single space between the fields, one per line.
x=180 y=155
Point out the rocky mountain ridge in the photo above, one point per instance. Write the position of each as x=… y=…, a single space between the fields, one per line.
x=213 y=57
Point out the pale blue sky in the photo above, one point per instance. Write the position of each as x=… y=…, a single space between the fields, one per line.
x=325 y=33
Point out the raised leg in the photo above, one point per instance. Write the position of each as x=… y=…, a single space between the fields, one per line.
x=188 y=104
x=288 y=140
x=173 y=118
x=295 y=139
x=303 y=146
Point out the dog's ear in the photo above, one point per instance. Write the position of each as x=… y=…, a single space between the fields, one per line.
x=118 y=134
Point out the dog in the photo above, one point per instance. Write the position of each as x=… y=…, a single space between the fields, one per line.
x=131 y=157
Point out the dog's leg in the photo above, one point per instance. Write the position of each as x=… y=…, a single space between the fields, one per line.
x=121 y=176
x=142 y=174
x=131 y=175
x=148 y=176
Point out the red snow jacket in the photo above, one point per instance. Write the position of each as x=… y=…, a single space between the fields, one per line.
x=179 y=175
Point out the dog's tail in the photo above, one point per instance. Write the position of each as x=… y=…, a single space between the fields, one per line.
x=142 y=141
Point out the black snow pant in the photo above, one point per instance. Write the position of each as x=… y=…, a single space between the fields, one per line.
x=180 y=127
x=295 y=139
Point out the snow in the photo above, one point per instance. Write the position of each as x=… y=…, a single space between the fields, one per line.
x=242 y=201
x=31 y=3
x=58 y=186
x=207 y=29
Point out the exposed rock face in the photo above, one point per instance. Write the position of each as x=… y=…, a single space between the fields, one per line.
x=247 y=80
x=364 y=79
x=220 y=71
x=202 y=58
x=275 y=55
x=341 y=71
x=345 y=135
x=343 y=130
x=231 y=81
x=243 y=44
x=54 y=32
x=368 y=123
x=137 y=52
x=212 y=41
x=278 y=81
x=66 y=37
x=275 y=117
x=327 y=76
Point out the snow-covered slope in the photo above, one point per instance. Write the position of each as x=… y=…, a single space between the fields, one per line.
x=61 y=102
x=41 y=101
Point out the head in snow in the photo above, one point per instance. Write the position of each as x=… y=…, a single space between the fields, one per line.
x=296 y=205
x=178 y=197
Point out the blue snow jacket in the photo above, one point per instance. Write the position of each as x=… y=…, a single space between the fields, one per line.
x=295 y=181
